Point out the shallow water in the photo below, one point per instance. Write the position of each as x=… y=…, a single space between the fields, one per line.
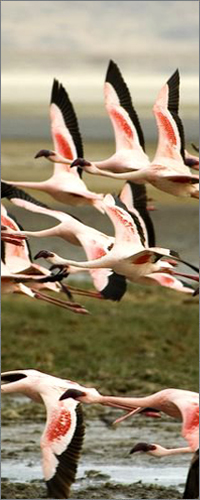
x=105 y=454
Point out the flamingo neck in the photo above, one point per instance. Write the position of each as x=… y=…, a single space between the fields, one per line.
x=174 y=451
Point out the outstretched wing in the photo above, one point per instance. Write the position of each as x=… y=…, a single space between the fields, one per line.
x=134 y=197
x=64 y=127
x=111 y=285
x=19 y=197
x=171 y=141
x=127 y=128
x=189 y=407
x=61 y=446
x=126 y=230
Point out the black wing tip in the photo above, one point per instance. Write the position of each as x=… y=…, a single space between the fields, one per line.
x=174 y=78
x=112 y=71
x=58 y=92
x=59 y=485
x=116 y=287
x=60 y=98
x=115 y=78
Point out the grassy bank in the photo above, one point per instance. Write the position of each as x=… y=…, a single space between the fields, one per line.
x=146 y=342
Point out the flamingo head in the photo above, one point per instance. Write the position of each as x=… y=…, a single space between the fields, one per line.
x=84 y=396
x=43 y=254
x=152 y=449
x=81 y=163
x=47 y=153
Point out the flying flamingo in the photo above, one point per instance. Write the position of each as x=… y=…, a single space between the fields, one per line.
x=95 y=243
x=128 y=256
x=18 y=263
x=167 y=172
x=180 y=404
x=130 y=146
x=65 y=185
x=62 y=439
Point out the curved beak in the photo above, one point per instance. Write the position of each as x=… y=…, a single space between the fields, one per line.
x=80 y=162
x=44 y=152
x=43 y=254
x=72 y=393
x=142 y=447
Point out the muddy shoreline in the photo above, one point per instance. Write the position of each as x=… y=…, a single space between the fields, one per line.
x=106 y=469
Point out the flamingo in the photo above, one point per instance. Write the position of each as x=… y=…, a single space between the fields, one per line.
x=65 y=185
x=167 y=172
x=128 y=255
x=177 y=403
x=17 y=261
x=30 y=285
x=130 y=146
x=95 y=243
x=63 y=436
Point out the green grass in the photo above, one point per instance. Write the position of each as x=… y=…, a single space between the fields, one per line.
x=146 y=342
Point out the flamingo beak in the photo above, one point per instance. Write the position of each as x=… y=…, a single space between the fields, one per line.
x=72 y=393
x=44 y=152
x=142 y=447
x=80 y=162
x=43 y=254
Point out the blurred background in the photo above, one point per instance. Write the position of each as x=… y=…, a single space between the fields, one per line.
x=74 y=41
x=146 y=342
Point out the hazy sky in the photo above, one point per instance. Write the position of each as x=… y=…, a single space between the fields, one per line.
x=74 y=41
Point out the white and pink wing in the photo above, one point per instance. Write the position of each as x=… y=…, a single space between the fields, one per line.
x=126 y=231
x=189 y=407
x=61 y=445
x=64 y=127
x=16 y=256
x=169 y=141
x=128 y=132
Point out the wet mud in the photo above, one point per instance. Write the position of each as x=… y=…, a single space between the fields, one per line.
x=106 y=468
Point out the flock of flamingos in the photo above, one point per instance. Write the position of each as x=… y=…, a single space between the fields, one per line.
x=130 y=255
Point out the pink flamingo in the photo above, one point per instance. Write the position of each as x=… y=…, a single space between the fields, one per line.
x=167 y=172
x=95 y=243
x=180 y=404
x=64 y=185
x=20 y=275
x=128 y=255
x=130 y=146
x=63 y=436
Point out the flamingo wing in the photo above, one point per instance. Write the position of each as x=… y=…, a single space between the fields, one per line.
x=126 y=230
x=173 y=92
x=19 y=197
x=134 y=196
x=189 y=407
x=19 y=256
x=64 y=127
x=110 y=284
x=127 y=128
x=61 y=445
x=171 y=141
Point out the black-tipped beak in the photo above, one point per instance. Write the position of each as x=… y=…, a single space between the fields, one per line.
x=43 y=254
x=44 y=152
x=142 y=447
x=72 y=393
x=80 y=162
